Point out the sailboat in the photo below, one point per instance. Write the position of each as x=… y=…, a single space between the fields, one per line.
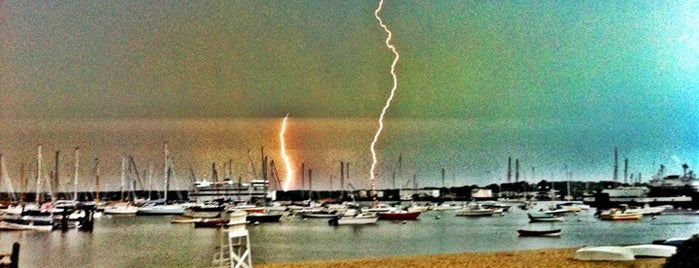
x=161 y=206
x=121 y=207
x=29 y=216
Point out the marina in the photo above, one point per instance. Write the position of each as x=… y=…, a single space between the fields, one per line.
x=155 y=242
x=209 y=133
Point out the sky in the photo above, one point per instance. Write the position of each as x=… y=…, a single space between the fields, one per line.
x=460 y=59
x=623 y=66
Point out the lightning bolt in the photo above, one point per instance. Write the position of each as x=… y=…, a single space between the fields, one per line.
x=390 y=98
x=285 y=157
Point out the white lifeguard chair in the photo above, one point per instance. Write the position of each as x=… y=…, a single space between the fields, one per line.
x=235 y=244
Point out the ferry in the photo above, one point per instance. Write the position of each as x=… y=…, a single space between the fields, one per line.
x=227 y=190
x=679 y=191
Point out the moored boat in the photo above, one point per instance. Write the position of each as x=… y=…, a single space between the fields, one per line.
x=27 y=223
x=475 y=210
x=185 y=220
x=320 y=214
x=615 y=214
x=124 y=208
x=359 y=219
x=210 y=222
x=445 y=206
x=648 y=210
x=203 y=210
x=414 y=207
x=263 y=217
x=544 y=217
x=545 y=233
x=494 y=205
x=398 y=215
x=249 y=208
x=160 y=209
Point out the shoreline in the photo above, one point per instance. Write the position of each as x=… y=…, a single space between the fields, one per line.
x=563 y=258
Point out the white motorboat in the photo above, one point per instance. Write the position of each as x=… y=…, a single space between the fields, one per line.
x=616 y=214
x=414 y=207
x=359 y=219
x=475 y=210
x=648 y=210
x=378 y=207
x=445 y=206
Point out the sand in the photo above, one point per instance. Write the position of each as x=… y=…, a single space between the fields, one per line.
x=532 y=258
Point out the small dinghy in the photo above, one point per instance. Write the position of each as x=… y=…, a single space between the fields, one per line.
x=606 y=253
x=652 y=251
x=546 y=233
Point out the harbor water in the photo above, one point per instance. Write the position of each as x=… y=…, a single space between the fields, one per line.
x=152 y=241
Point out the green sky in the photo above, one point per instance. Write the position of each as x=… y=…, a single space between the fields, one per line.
x=490 y=60
x=566 y=81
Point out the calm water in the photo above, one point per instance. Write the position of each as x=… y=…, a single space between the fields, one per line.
x=138 y=241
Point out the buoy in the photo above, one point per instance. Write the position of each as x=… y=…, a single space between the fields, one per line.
x=257 y=223
x=437 y=217
x=404 y=222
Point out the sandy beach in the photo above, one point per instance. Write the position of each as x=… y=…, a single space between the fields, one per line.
x=532 y=258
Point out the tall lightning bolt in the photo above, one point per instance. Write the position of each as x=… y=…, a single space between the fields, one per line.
x=285 y=157
x=390 y=98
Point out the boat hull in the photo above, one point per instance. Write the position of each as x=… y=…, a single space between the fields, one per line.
x=319 y=215
x=544 y=217
x=21 y=224
x=210 y=223
x=398 y=215
x=354 y=220
x=261 y=217
x=544 y=233
x=475 y=213
x=621 y=217
x=608 y=253
x=161 y=210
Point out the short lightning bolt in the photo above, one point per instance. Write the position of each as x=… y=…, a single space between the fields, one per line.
x=285 y=157
x=390 y=98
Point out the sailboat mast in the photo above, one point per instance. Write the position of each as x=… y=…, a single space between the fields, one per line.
x=3 y=175
x=342 y=180
x=97 y=180
x=150 y=180
x=38 y=176
x=167 y=170
x=75 y=175
x=616 y=165
x=22 y=183
x=123 y=177
x=54 y=181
